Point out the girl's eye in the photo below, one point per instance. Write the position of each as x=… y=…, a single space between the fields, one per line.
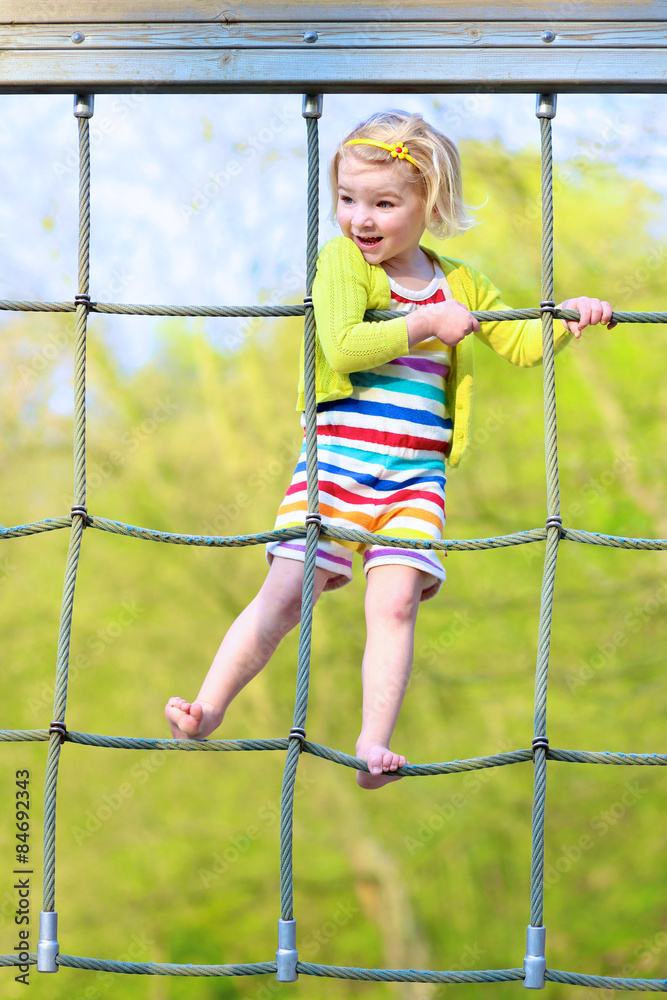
x=384 y=204
x=345 y=198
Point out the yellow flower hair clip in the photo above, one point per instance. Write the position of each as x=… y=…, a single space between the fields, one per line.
x=399 y=150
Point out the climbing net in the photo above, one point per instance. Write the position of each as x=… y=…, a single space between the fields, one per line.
x=287 y=966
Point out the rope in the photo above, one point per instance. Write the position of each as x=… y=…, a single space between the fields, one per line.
x=312 y=534
x=296 y=742
x=127 y=309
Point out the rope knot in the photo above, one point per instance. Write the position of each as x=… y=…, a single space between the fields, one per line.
x=540 y=743
x=80 y=510
x=59 y=727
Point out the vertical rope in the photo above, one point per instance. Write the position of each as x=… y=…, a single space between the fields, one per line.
x=312 y=534
x=78 y=523
x=553 y=533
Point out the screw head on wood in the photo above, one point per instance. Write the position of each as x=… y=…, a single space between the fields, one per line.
x=548 y=36
x=310 y=36
x=78 y=37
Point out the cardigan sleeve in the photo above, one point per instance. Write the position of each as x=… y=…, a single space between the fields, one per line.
x=518 y=341
x=342 y=291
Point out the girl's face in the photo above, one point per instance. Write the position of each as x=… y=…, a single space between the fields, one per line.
x=380 y=210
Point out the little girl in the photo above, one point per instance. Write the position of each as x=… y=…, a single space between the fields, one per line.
x=394 y=399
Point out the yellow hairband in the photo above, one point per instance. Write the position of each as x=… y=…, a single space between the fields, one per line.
x=398 y=150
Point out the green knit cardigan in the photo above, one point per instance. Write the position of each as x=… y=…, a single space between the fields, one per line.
x=346 y=286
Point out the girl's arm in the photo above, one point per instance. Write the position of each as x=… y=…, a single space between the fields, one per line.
x=520 y=341
x=341 y=292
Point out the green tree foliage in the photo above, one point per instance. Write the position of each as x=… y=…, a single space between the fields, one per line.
x=174 y=856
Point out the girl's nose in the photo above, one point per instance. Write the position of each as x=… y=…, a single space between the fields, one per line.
x=362 y=218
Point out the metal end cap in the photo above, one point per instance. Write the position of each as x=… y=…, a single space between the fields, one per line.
x=312 y=106
x=84 y=105
x=545 y=105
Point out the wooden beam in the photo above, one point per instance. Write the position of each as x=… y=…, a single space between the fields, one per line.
x=101 y=11
x=307 y=69
x=336 y=34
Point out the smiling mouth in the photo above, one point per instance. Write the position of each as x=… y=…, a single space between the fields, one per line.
x=368 y=241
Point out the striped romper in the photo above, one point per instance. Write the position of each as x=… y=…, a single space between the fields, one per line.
x=381 y=459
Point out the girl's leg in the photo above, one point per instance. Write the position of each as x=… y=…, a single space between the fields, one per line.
x=245 y=649
x=392 y=601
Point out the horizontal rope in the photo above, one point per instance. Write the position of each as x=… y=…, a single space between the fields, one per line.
x=131 y=309
x=605 y=982
x=606 y=757
x=342 y=972
x=495 y=315
x=409 y=975
x=416 y=770
x=336 y=756
x=613 y=541
x=260 y=538
x=177 y=538
x=165 y=968
x=224 y=311
x=48 y=524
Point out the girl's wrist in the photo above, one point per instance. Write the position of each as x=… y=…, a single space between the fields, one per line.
x=418 y=326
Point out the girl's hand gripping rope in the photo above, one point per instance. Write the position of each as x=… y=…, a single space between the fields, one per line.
x=591 y=312
x=449 y=321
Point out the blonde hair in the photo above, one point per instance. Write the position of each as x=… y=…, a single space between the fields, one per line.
x=438 y=174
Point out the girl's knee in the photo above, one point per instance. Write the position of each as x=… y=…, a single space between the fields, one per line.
x=399 y=607
x=394 y=596
x=283 y=589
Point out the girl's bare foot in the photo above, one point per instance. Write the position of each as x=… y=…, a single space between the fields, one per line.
x=191 y=721
x=380 y=760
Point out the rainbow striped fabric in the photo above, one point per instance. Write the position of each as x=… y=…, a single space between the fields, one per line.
x=381 y=459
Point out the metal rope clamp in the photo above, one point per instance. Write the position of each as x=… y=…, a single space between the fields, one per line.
x=82 y=299
x=548 y=306
x=555 y=521
x=47 y=946
x=80 y=510
x=297 y=733
x=59 y=727
x=535 y=963
x=314 y=518
x=286 y=955
x=308 y=301
x=540 y=743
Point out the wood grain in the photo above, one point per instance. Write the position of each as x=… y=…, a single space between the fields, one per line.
x=457 y=34
x=334 y=71
x=87 y=11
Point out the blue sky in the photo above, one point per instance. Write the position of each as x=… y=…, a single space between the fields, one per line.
x=201 y=199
